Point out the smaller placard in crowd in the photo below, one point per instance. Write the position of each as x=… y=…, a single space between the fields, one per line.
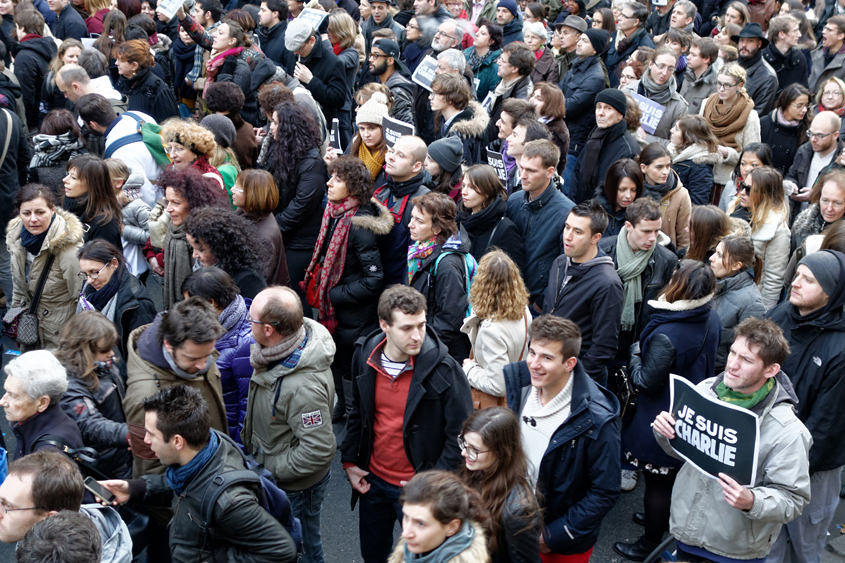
x=495 y=160
x=715 y=436
x=168 y=7
x=315 y=17
x=425 y=72
x=652 y=112
x=334 y=135
x=393 y=129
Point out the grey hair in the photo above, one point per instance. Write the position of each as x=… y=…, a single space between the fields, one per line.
x=94 y=62
x=688 y=7
x=71 y=73
x=454 y=59
x=41 y=374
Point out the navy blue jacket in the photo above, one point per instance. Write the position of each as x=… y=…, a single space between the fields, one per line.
x=512 y=31
x=69 y=24
x=578 y=478
x=52 y=422
x=540 y=222
x=697 y=178
x=580 y=85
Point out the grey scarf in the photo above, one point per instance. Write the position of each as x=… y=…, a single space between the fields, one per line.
x=261 y=357
x=656 y=92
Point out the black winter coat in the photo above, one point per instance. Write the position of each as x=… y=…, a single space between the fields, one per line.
x=299 y=212
x=69 y=24
x=445 y=291
x=249 y=282
x=273 y=43
x=616 y=219
x=13 y=169
x=618 y=54
x=469 y=126
x=815 y=366
x=133 y=308
x=790 y=67
x=521 y=89
x=783 y=139
x=580 y=84
x=31 y=68
x=490 y=228
x=393 y=246
x=53 y=422
x=519 y=532
x=697 y=177
x=149 y=94
x=617 y=143
x=438 y=403
x=590 y=295
x=99 y=415
x=235 y=69
x=328 y=85
x=578 y=477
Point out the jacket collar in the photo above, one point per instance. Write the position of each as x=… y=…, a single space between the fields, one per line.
x=544 y=198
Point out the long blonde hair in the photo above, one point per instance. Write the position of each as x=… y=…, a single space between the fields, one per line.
x=498 y=292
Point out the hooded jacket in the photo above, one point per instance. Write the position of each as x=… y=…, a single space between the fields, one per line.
x=116 y=541
x=771 y=242
x=232 y=347
x=469 y=125
x=148 y=373
x=32 y=63
x=61 y=290
x=590 y=295
x=737 y=298
x=694 y=166
x=370 y=25
x=815 y=365
x=287 y=427
x=578 y=479
x=696 y=90
x=700 y=516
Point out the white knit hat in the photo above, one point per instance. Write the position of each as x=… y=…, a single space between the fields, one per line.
x=373 y=110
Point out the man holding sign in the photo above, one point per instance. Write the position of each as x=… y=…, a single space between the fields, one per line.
x=714 y=517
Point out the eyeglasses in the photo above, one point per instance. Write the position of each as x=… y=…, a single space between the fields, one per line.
x=374 y=56
x=725 y=85
x=831 y=93
x=471 y=451
x=813 y=135
x=6 y=508
x=93 y=276
x=253 y=321
x=442 y=34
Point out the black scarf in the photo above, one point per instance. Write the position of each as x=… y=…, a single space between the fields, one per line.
x=748 y=62
x=100 y=298
x=183 y=61
x=658 y=192
x=590 y=166
x=32 y=243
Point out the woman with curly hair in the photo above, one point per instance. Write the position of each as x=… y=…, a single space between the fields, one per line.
x=345 y=276
x=185 y=190
x=89 y=195
x=95 y=390
x=497 y=327
x=58 y=142
x=496 y=467
x=189 y=144
x=220 y=237
x=146 y=91
x=68 y=53
x=296 y=164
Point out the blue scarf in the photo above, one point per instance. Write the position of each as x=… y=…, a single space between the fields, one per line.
x=447 y=550
x=32 y=242
x=178 y=476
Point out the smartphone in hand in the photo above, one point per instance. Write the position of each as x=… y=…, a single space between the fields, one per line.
x=98 y=490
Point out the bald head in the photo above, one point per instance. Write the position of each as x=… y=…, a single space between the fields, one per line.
x=824 y=132
x=405 y=159
x=278 y=311
x=73 y=81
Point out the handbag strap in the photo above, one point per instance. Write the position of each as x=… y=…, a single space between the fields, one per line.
x=524 y=342
x=8 y=135
x=42 y=279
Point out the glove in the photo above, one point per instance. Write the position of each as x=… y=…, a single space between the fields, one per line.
x=651 y=374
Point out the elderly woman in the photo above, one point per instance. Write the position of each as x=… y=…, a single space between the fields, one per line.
x=189 y=144
x=146 y=91
x=44 y=236
x=545 y=69
x=35 y=383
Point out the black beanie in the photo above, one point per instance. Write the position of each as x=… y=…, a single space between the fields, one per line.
x=614 y=98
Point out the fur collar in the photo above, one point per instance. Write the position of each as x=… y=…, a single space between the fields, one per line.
x=379 y=224
x=474 y=125
x=696 y=153
x=682 y=305
x=806 y=223
x=66 y=231
x=477 y=552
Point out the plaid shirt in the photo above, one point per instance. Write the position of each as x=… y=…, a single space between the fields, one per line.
x=202 y=37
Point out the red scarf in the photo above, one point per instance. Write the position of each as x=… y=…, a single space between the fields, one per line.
x=205 y=167
x=337 y=48
x=213 y=65
x=331 y=270
x=840 y=112
x=29 y=36
x=539 y=53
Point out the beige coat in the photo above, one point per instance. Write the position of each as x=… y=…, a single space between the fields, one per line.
x=771 y=242
x=677 y=207
x=494 y=344
x=61 y=290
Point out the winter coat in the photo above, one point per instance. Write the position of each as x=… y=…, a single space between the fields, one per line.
x=771 y=242
x=521 y=89
x=495 y=344
x=231 y=347
x=486 y=73
x=682 y=337
x=696 y=90
x=469 y=125
x=578 y=480
x=328 y=85
x=403 y=91
x=149 y=94
x=296 y=448
x=397 y=197
x=694 y=166
x=799 y=172
x=790 y=67
x=519 y=533
x=99 y=415
x=560 y=137
x=617 y=144
x=580 y=85
x=701 y=517
x=133 y=308
x=50 y=424
x=820 y=72
x=750 y=133
x=369 y=25
x=277 y=268
x=808 y=222
x=31 y=67
x=677 y=208
x=783 y=139
x=761 y=84
x=273 y=42
x=445 y=288
x=61 y=290
x=299 y=212
x=148 y=373
x=475 y=553
x=236 y=69
x=69 y=24
x=489 y=228
x=95 y=227
x=249 y=282
x=512 y=31
x=135 y=232
x=590 y=295
x=657 y=23
x=815 y=365
x=737 y=298
x=613 y=57
x=243 y=531
x=116 y=541
x=545 y=68
x=615 y=218
x=438 y=403
x=540 y=223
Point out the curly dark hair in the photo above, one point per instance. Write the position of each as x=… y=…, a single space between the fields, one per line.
x=351 y=170
x=270 y=95
x=230 y=237
x=198 y=190
x=296 y=134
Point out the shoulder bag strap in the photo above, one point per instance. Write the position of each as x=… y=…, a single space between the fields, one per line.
x=8 y=135
x=42 y=279
x=524 y=342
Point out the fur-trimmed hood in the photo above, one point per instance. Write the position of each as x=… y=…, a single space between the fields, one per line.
x=477 y=552
x=471 y=122
x=807 y=223
x=681 y=305
x=65 y=231
x=379 y=224
x=696 y=153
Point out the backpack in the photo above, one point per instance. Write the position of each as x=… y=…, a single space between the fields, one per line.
x=261 y=481
x=470 y=268
x=147 y=133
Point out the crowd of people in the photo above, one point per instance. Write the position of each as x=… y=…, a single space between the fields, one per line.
x=224 y=250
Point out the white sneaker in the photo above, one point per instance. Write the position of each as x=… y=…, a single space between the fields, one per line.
x=629 y=479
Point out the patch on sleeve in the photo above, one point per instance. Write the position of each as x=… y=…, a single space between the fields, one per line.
x=312 y=419
x=79 y=408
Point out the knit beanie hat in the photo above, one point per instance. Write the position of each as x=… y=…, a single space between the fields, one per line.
x=373 y=110
x=510 y=5
x=614 y=98
x=599 y=39
x=222 y=127
x=825 y=267
x=447 y=152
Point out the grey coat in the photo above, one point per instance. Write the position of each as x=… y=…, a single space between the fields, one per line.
x=696 y=90
x=737 y=298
